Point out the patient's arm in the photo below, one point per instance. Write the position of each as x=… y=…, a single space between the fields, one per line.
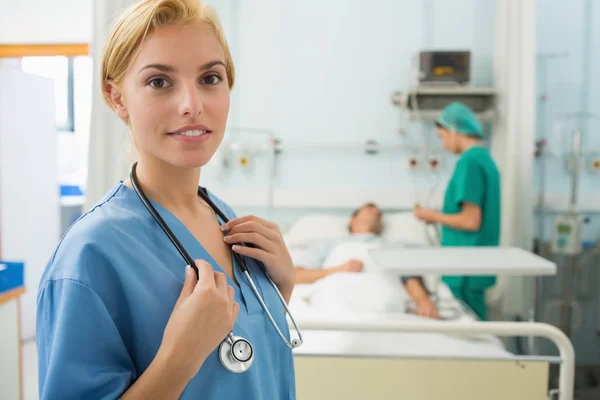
x=416 y=289
x=307 y=275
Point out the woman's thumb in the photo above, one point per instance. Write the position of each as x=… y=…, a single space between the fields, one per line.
x=189 y=284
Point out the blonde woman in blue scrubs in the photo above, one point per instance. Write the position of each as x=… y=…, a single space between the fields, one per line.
x=119 y=315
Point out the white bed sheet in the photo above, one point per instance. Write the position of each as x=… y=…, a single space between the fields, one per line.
x=365 y=297
x=386 y=344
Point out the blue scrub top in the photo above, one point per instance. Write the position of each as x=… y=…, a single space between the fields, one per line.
x=106 y=296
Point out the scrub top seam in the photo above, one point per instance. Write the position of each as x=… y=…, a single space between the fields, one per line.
x=60 y=242
x=47 y=282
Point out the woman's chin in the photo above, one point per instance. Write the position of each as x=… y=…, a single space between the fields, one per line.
x=188 y=160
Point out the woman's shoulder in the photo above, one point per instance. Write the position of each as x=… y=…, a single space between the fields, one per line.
x=88 y=246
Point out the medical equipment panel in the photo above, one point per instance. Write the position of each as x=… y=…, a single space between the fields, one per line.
x=423 y=101
x=444 y=67
x=426 y=102
x=441 y=78
x=566 y=238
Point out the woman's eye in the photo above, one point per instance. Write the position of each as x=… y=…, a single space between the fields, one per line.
x=158 y=83
x=211 y=79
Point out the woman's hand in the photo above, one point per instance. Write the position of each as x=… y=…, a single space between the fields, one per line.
x=203 y=316
x=269 y=249
x=425 y=214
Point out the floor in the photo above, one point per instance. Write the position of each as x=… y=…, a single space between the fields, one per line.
x=588 y=394
x=30 y=373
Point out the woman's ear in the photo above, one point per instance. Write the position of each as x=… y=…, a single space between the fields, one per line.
x=115 y=96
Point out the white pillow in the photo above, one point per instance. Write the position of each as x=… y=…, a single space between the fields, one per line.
x=316 y=227
x=404 y=227
x=400 y=227
x=298 y=253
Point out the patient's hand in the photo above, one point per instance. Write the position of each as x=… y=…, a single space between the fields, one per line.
x=426 y=308
x=351 y=266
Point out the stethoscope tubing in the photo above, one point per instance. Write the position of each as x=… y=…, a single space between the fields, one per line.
x=190 y=261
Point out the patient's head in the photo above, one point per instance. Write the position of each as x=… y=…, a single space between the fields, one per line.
x=366 y=219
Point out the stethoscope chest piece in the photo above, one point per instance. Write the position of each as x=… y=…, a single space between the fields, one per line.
x=236 y=354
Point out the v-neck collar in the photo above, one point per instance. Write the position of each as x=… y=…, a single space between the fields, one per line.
x=196 y=250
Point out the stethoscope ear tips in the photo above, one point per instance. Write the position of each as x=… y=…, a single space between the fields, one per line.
x=296 y=343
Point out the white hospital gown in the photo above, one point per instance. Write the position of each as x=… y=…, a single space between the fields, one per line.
x=333 y=253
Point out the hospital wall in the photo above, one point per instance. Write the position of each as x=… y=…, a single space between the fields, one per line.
x=566 y=84
x=48 y=22
x=312 y=73
x=322 y=73
x=568 y=40
x=317 y=72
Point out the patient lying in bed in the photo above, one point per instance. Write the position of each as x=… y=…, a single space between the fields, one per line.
x=349 y=256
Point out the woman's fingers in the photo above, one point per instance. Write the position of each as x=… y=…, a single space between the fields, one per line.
x=220 y=280
x=188 y=285
x=254 y=226
x=254 y=238
x=235 y=309
x=249 y=218
x=205 y=274
x=257 y=254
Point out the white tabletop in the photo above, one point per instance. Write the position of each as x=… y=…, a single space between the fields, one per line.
x=508 y=261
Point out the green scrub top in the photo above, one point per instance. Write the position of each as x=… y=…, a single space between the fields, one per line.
x=475 y=180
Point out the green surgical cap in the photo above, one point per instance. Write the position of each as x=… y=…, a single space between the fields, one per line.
x=461 y=119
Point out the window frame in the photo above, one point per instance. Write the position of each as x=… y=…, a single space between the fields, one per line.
x=70 y=51
x=70 y=125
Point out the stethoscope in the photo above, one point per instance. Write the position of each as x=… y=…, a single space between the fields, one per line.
x=235 y=352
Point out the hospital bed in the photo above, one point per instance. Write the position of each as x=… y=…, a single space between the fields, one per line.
x=343 y=372
x=354 y=350
x=401 y=231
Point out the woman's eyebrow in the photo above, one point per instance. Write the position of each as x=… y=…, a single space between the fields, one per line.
x=168 y=68
x=160 y=67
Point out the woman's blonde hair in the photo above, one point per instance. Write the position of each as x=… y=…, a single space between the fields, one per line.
x=141 y=19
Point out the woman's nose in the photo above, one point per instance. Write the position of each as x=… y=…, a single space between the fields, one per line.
x=190 y=101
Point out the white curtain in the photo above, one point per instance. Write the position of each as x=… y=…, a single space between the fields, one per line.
x=514 y=135
x=109 y=138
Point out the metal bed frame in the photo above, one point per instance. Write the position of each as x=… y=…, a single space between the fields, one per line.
x=343 y=376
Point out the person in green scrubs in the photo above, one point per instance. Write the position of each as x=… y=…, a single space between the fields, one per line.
x=471 y=211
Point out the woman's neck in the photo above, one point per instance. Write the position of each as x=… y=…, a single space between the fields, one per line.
x=172 y=187
x=467 y=143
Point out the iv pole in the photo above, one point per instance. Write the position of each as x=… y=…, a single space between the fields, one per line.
x=566 y=305
x=543 y=60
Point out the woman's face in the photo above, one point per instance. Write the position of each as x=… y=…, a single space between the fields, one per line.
x=175 y=96
x=449 y=140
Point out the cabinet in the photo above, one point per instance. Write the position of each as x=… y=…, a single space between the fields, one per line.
x=11 y=374
x=29 y=208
